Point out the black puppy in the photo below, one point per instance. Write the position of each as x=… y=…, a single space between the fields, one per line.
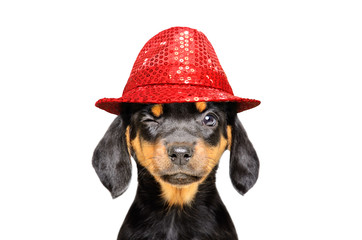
x=177 y=148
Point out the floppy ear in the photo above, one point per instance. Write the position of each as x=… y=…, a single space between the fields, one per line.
x=111 y=159
x=244 y=163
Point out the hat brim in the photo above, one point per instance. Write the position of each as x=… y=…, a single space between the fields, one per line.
x=162 y=94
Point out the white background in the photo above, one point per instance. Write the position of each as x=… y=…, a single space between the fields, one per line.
x=302 y=59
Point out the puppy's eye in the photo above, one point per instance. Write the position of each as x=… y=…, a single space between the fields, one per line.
x=148 y=120
x=209 y=121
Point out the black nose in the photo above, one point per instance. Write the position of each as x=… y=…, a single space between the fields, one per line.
x=180 y=155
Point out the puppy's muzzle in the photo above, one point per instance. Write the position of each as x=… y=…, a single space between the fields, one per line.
x=180 y=154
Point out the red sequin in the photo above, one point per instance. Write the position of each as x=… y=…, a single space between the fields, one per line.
x=177 y=65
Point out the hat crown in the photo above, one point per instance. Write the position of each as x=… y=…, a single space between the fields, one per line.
x=178 y=56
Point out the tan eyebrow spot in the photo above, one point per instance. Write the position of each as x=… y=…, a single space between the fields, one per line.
x=157 y=110
x=201 y=106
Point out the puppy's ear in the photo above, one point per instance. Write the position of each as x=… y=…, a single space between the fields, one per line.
x=244 y=163
x=111 y=159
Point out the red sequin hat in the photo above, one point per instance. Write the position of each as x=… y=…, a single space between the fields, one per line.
x=177 y=65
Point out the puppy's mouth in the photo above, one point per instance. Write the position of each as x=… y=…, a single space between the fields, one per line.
x=180 y=179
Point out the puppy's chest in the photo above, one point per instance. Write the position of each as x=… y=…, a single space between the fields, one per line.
x=173 y=226
x=171 y=229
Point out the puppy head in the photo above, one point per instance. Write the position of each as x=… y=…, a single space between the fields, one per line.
x=179 y=144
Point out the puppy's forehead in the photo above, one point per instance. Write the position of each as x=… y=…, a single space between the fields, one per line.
x=178 y=109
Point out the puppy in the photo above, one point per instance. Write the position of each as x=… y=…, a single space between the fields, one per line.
x=177 y=148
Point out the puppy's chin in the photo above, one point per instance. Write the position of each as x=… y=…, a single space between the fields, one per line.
x=180 y=179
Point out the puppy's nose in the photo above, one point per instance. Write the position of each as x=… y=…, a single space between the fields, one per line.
x=180 y=155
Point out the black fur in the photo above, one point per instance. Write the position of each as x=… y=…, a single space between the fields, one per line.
x=244 y=163
x=111 y=159
x=149 y=216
